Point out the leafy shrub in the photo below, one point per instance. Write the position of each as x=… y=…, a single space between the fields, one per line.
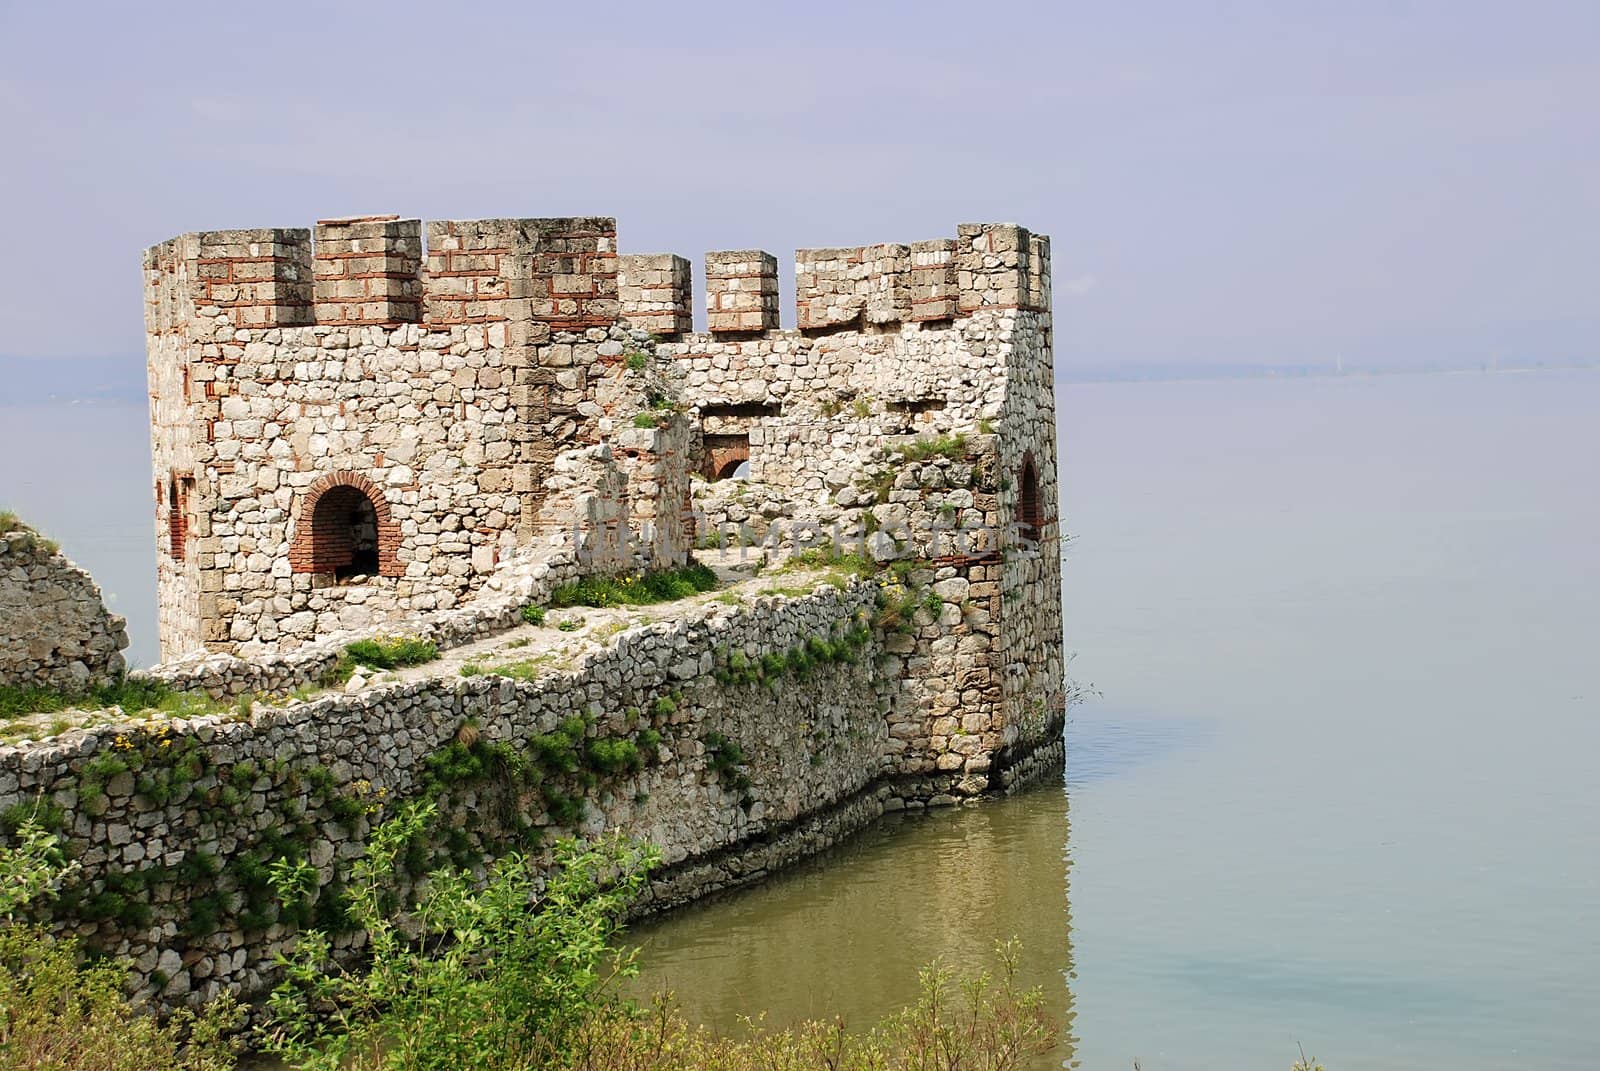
x=58 y=1012
x=490 y=985
x=533 y=615
x=636 y=362
x=636 y=589
x=388 y=652
x=611 y=754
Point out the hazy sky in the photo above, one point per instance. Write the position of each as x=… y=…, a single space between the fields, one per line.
x=1264 y=182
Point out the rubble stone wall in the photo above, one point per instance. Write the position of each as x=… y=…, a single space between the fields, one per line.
x=171 y=821
x=55 y=631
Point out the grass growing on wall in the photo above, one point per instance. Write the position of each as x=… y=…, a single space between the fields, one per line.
x=390 y=652
x=636 y=589
x=953 y=447
x=10 y=522
x=134 y=696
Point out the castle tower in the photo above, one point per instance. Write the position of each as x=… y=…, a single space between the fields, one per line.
x=346 y=426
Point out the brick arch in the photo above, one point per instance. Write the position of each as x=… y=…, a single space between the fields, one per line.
x=1030 y=504
x=723 y=454
x=320 y=548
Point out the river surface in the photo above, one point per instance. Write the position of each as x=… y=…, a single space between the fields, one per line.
x=1338 y=788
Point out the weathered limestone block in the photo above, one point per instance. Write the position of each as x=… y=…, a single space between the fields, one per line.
x=366 y=270
x=655 y=293
x=741 y=291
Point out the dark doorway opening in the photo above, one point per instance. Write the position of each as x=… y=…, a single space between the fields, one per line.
x=344 y=534
x=1030 y=516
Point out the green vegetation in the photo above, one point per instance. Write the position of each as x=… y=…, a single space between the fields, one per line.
x=953 y=447
x=734 y=667
x=490 y=985
x=390 y=652
x=59 y=1010
x=636 y=589
x=724 y=758
x=10 y=522
x=636 y=361
x=571 y=624
x=533 y=615
x=649 y=420
x=135 y=695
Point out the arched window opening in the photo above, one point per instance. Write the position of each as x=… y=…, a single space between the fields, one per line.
x=344 y=534
x=1030 y=512
x=345 y=530
x=734 y=469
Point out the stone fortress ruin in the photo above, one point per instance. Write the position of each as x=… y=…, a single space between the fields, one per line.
x=380 y=427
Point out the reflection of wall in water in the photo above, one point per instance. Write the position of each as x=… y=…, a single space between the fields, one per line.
x=847 y=934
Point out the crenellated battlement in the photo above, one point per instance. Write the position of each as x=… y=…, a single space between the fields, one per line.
x=375 y=270
x=654 y=291
x=987 y=266
x=565 y=272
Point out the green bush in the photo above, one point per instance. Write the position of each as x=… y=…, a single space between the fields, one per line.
x=59 y=1012
x=533 y=615
x=611 y=754
x=636 y=362
x=636 y=589
x=389 y=652
x=490 y=984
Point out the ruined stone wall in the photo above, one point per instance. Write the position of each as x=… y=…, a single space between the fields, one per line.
x=172 y=822
x=892 y=340
x=55 y=632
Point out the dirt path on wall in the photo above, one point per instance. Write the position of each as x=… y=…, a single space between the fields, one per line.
x=568 y=634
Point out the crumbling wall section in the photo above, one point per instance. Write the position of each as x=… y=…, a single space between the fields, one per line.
x=55 y=631
x=173 y=822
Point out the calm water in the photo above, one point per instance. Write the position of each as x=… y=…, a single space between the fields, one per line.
x=1339 y=788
